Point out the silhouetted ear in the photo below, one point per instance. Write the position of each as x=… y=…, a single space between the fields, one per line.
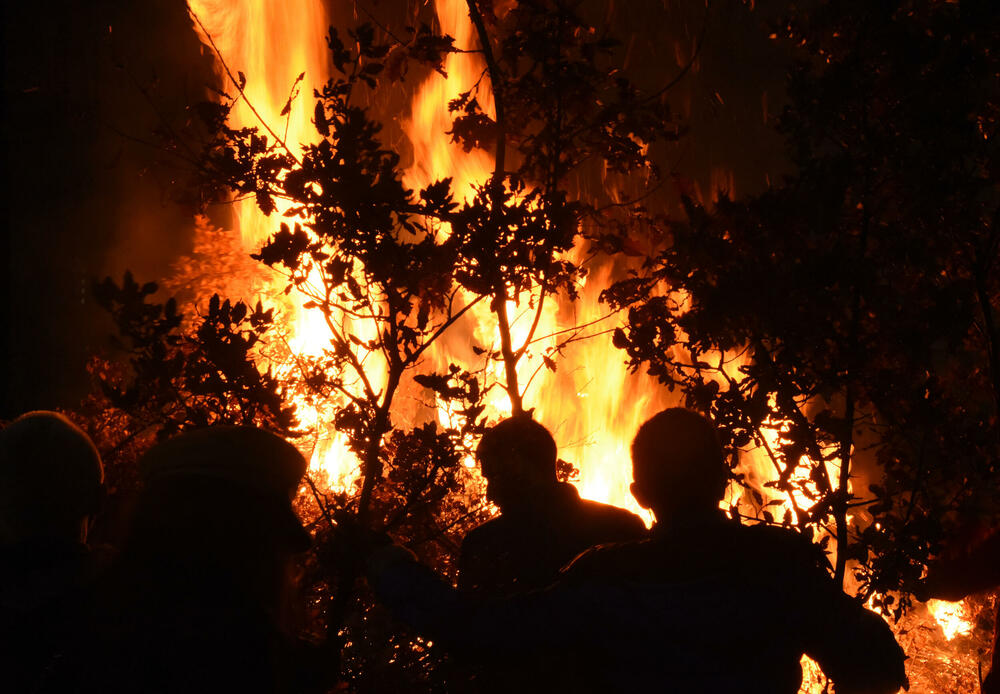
x=639 y=494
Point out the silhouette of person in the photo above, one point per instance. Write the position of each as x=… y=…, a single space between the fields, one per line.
x=543 y=523
x=198 y=600
x=954 y=578
x=51 y=485
x=701 y=605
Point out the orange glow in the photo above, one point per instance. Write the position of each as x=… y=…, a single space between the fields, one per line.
x=952 y=617
x=272 y=43
x=589 y=401
x=592 y=405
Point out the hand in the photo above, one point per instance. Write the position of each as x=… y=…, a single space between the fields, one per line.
x=349 y=543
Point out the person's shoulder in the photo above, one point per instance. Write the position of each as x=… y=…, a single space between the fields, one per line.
x=783 y=546
x=775 y=535
x=611 y=512
x=613 y=516
x=486 y=533
x=612 y=560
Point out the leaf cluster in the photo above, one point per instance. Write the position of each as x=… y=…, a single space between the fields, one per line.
x=852 y=310
x=390 y=269
x=178 y=380
x=565 y=102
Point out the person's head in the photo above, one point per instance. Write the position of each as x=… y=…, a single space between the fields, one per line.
x=51 y=479
x=218 y=501
x=518 y=460
x=678 y=465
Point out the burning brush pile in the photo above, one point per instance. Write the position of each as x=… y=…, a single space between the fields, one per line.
x=514 y=242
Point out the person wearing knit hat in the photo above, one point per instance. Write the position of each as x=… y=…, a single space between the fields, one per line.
x=51 y=479
x=200 y=599
x=251 y=462
x=51 y=486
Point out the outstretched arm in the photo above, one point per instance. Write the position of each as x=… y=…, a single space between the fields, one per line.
x=466 y=622
x=857 y=649
x=972 y=572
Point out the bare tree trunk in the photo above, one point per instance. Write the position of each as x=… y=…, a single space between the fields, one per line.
x=982 y=273
x=500 y=296
x=842 y=492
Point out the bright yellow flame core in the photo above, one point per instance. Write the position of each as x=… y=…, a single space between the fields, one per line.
x=953 y=617
x=590 y=402
x=272 y=43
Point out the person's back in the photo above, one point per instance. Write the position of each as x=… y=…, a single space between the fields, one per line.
x=543 y=523
x=523 y=551
x=51 y=484
x=721 y=608
x=702 y=605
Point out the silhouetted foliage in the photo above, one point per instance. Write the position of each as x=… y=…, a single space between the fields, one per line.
x=853 y=308
x=177 y=379
x=559 y=103
x=389 y=270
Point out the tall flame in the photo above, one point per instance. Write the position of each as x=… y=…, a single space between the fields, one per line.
x=589 y=401
x=272 y=43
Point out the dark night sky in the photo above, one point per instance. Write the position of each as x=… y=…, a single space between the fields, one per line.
x=84 y=200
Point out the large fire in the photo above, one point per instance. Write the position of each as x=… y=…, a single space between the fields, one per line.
x=952 y=617
x=590 y=402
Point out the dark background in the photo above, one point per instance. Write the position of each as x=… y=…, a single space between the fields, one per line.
x=82 y=199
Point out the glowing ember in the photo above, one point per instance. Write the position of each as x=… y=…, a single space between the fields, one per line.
x=952 y=617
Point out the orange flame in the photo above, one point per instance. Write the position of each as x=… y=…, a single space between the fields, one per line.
x=589 y=401
x=272 y=43
x=953 y=617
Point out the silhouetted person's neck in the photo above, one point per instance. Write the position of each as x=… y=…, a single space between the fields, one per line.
x=689 y=519
x=538 y=499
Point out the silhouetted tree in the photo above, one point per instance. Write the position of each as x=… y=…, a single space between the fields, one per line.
x=560 y=103
x=390 y=270
x=853 y=308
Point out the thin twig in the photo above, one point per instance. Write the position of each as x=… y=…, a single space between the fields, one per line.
x=691 y=62
x=534 y=325
x=444 y=326
x=239 y=88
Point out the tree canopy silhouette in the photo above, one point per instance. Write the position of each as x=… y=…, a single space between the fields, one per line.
x=852 y=309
